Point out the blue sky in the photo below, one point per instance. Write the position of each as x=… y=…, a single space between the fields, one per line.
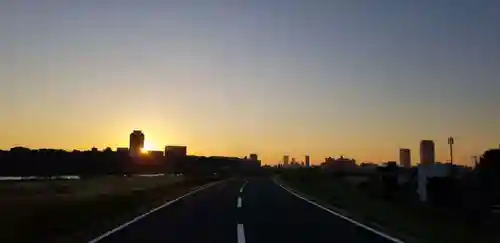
x=360 y=78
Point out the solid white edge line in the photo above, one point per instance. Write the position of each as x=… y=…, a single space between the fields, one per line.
x=343 y=217
x=241 y=233
x=239 y=202
x=97 y=239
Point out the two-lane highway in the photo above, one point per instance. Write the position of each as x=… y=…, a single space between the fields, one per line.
x=243 y=211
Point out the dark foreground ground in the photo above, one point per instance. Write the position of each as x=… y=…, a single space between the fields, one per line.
x=411 y=221
x=267 y=213
x=60 y=211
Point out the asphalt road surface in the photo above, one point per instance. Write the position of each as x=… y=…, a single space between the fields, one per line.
x=240 y=211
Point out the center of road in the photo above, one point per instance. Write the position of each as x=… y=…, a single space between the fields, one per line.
x=239 y=229
x=239 y=202
x=241 y=233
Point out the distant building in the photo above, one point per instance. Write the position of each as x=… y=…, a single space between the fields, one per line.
x=308 y=161
x=293 y=164
x=175 y=152
x=368 y=166
x=286 y=160
x=156 y=153
x=136 y=143
x=405 y=158
x=254 y=157
x=427 y=153
x=122 y=150
x=341 y=163
x=426 y=171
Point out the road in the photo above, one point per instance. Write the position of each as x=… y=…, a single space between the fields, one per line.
x=242 y=211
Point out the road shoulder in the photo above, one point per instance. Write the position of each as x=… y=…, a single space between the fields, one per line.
x=96 y=231
x=392 y=235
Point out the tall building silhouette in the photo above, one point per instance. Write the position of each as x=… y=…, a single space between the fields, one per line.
x=286 y=160
x=405 y=158
x=307 y=161
x=427 y=152
x=136 y=142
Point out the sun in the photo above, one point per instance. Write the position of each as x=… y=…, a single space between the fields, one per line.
x=147 y=147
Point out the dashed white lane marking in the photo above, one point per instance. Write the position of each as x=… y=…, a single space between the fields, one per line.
x=97 y=239
x=382 y=234
x=243 y=186
x=239 y=202
x=241 y=233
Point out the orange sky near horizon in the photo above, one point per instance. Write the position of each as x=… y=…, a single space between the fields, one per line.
x=363 y=149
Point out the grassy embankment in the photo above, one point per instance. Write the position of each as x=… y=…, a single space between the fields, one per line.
x=410 y=222
x=73 y=210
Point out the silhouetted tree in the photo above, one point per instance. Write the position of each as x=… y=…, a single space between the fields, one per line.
x=20 y=161
x=479 y=190
x=488 y=174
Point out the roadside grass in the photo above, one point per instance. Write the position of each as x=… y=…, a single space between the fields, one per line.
x=410 y=222
x=74 y=210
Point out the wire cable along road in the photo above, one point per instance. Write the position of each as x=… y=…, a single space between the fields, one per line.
x=264 y=212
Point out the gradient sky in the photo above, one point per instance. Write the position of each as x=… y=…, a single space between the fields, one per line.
x=326 y=78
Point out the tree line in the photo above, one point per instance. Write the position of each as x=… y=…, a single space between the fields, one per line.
x=20 y=161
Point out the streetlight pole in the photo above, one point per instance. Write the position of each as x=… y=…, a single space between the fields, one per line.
x=451 y=141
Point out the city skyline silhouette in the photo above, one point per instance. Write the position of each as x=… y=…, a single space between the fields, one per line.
x=138 y=147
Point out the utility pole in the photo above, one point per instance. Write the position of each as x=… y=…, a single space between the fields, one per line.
x=451 y=141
